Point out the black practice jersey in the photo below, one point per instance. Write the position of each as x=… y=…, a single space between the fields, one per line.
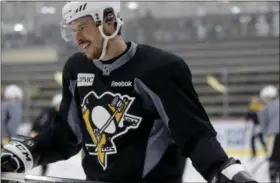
x=136 y=117
x=44 y=119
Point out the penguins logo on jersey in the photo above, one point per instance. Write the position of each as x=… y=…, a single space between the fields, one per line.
x=107 y=117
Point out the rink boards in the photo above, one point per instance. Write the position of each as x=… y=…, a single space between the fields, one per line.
x=232 y=135
x=235 y=137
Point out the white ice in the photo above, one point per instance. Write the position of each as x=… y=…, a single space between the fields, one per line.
x=72 y=169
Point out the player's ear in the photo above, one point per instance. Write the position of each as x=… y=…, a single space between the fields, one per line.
x=109 y=28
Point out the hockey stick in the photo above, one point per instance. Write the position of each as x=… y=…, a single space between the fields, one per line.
x=108 y=123
x=258 y=166
x=18 y=177
x=21 y=177
x=110 y=120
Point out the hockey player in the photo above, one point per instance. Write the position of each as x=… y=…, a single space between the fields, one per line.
x=44 y=120
x=255 y=105
x=11 y=112
x=131 y=108
x=2 y=93
x=269 y=120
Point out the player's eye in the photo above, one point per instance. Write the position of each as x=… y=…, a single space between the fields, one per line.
x=82 y=26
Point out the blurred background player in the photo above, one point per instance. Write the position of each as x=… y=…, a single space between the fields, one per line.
x=254 y=107
x=44 y=120
x=269 y=120
x=11 y=112
x=2 y=93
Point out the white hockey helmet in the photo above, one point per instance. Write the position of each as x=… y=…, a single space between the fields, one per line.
x=57 y=100
x=74 y=10
x=268 y=92
x=13 y=92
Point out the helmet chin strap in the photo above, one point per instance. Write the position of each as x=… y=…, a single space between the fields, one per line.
x=107 y=38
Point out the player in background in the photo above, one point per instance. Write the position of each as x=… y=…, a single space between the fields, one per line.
x=44 y=120
x=11 y=112
x=131 y=108
x=2 y=93
x=254 y=107
x=269 y=120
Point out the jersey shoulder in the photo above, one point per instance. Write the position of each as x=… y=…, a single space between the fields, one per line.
x=159 y=63
x=158 y=56
x=76 y=61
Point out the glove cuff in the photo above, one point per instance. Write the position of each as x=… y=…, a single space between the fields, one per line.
x=21 y=152
x=232 y=171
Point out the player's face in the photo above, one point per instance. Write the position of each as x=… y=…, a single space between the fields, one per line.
x=87 y=36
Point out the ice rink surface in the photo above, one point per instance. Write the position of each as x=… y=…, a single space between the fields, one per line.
x=72 y=169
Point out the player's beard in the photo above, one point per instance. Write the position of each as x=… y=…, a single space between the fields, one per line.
x=94 y=51
x=91 y=46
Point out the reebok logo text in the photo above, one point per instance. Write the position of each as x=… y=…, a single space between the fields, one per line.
x=121 y=84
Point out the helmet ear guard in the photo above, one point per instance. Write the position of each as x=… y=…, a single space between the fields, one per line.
x=119 y=24
x=109 y=15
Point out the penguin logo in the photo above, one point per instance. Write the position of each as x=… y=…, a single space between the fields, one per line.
x=106 y=118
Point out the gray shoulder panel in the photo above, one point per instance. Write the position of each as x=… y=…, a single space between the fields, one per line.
x=72 y=86
x=158 y=142
x=159 y=137
x=147 y=94
x=72 y=116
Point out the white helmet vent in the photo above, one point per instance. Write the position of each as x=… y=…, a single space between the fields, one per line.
x=82 y=8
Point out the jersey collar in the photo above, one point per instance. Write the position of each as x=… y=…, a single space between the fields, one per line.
x=108 y=68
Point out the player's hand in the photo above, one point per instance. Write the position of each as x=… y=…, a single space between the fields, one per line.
x=5 y=140
x=34 y=134
x=232 y=172
x=16 y=155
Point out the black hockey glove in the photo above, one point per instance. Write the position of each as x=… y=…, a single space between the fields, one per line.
x=17 y=156
x=232 y=172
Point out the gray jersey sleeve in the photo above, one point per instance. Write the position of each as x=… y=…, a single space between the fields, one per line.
x=11 y=119
x=269 y=118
